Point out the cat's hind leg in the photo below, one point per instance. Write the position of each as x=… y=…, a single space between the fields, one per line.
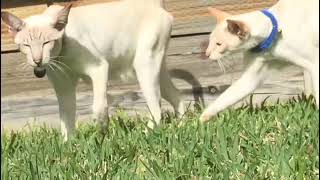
x=308 y=89
x=148 y=61
x=169 y=92
x=248 y=82
x=147 y=65
x=315 y=77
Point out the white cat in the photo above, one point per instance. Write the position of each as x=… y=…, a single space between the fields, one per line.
x=297 y=23
x=100 y=42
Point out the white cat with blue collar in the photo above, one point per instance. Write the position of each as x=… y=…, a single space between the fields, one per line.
x=258 y=35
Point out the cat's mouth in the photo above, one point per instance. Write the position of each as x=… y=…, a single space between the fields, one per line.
x=39 y=71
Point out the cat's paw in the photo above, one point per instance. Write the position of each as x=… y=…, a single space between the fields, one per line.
x=205 y=117
x=151 y=125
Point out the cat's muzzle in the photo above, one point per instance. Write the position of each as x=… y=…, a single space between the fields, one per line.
x=39 y=71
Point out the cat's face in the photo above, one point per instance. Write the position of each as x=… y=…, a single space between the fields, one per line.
x=39 y=37
x=229 y=35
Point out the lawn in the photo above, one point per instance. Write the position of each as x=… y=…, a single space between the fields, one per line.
x=273 y=142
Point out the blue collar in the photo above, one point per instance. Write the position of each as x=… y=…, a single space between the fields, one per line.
x=267 y=43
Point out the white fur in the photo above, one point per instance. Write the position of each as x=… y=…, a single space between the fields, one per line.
x=107 y=40
x=298 y=44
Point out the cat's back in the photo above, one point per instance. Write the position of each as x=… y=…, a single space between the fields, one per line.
x=297 y=15
x=114 y=18
x=117 y=13
x=298 y=8
x=114 y=29
x=298 y=22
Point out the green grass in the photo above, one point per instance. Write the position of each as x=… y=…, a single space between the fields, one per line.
x=276 y=142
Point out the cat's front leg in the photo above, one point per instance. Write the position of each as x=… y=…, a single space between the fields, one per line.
x=315 y=78
x=99 y=78
x=248 y=82
x=308 y=88
x=65 y=87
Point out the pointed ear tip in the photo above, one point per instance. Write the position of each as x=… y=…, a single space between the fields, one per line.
x=69 y=5
x=3 y=13
x=231 y=21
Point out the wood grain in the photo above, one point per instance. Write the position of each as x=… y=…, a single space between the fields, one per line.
x=24 y=97
x=191 y=16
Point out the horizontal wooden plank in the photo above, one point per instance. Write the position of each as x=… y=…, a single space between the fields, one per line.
x=190 y=16
x=16 y=77
x=183 y=53
x=40 y=105
x=18 y=113
x=25 y=99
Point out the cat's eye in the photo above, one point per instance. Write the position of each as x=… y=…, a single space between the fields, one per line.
x=46 y=42
x=218 y=44
x=27 y=45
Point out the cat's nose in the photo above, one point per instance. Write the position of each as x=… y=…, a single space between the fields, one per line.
x=38 y=62
x=208 y=52
x=37 y=55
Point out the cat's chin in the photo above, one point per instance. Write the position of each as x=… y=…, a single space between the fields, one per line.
x=39 y=72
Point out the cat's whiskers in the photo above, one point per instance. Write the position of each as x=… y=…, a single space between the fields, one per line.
x=57 y=66
x=221 y=66
x=21 y=64
x=225 y=62
x=24 y=66
x=60 y=69
x=232 y=70
x=55 y=59
x=61 y=63
x=57 y=56
x=50 y=66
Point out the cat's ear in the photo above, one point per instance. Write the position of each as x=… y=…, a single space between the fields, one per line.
x=62 y=17
x=238 y=28
x=218 y=14
x=14 y=23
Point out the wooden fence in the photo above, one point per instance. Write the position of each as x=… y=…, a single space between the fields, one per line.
x=25 y=97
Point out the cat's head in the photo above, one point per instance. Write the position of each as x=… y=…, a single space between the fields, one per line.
x=229 y=35
x=39 y=37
